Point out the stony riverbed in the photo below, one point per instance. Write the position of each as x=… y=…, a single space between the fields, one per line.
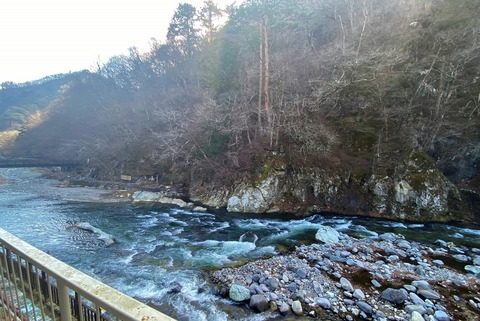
x=344 y=278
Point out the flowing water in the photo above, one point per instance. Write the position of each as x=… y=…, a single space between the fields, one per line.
x=163 y=254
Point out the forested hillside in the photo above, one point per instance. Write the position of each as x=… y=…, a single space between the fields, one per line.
x=371 y=92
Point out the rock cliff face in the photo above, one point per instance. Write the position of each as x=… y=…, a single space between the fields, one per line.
x=414 y=191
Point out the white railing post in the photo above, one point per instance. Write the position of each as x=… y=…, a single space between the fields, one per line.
x=64 y=302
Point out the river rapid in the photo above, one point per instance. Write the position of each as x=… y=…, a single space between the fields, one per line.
x=163 y=254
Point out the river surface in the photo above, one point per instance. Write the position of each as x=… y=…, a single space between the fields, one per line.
x=163 y=254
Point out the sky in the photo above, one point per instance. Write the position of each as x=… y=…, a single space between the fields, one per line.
x=46 y=37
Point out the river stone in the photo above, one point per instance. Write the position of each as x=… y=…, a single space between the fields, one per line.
x=416 y=299
x=473 y=269
x=346 y=285
x=302 y=273
x=272 y=283
x=365 y=307
x=462 y=258
x=297 y=307
x=239 y=293
x=415 y=308
x=429 y=294
x=410 y=288
x=394 y=295
x=404 y=244
x=441 y=243
x=358 y=294
x=390 y=237
x=376 y=284
x=476 y=260
x=416 y=316
x=326 y=234
x=323 y=302
x=441 y=316
x=421 y=284
x=285 y=309
x=317 y=287
x=259 y=303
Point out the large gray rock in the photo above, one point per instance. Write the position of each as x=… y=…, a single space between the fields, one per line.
x=394 y=295
x=323 y=302
x=415 y=308
x=441 y=316
x=285 y=309
x=346 y=285
x=239 y=293
x=326 y=234
x=429 y=294
x=365 y=307
x=259 y=303
x=102 y=236
x=145 y=196
x=416 y=316
x=416 y=299
x=473 y=269
x=421 y=284
x=297 y=307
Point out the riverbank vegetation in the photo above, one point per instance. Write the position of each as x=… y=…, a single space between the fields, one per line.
x=340 y=85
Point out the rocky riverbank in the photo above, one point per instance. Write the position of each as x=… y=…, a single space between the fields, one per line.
x=344 y=278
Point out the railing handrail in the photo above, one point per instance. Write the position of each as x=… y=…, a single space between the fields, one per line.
x=112 y=300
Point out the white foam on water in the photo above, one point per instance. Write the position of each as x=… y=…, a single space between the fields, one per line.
x=363 y=229
x=221 y=226
x=251 y=224
x=214 y=253
x=278 y=236
x=395 y=225
x=149 y=222
x=458 y=236
x=265 y=250
x=343 y=226
x=415 y=225
x=469 y=231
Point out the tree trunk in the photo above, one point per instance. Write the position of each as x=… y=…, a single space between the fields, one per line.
x=260 y=81
x=266 y=86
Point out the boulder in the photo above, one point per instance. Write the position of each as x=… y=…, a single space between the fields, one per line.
x=259 y=303
x=441 y=316
x=327 y=234
x=285 y=309
x=358 y=294
x=346 y=285
x=394 y=295
x=297 y=307
x=323 y=302
x=416 y=316
x=102 y=236
x=365 y=307
x=429 y=294
x=239 y=293
x=473 y=269
x=421 y=284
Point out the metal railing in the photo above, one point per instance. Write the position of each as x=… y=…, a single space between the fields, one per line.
x=36 y=286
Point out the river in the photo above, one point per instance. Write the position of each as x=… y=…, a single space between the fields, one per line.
x=163 y=254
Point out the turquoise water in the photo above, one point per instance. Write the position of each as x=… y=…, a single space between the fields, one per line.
x=161 y=248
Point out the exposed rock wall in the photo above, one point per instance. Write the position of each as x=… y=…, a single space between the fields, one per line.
x=416 y=191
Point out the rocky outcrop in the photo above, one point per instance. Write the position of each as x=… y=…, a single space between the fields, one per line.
x=414 y=190
x=153 y=197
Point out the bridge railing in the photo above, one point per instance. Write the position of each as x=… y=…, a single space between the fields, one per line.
x=36 y=286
